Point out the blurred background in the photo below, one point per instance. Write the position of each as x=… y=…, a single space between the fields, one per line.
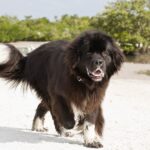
x=127 y=21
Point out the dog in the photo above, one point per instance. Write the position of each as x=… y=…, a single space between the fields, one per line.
x=70 y=78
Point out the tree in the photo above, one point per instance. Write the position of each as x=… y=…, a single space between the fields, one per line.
x=69 y=26
x=10 y=29
x=41 y=29
x=128 y=22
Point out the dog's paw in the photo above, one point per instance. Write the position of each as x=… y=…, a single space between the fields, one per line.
x=38 y=125
x=94 y=144
x=70 y=132
x=40 y=129
x=66 y=133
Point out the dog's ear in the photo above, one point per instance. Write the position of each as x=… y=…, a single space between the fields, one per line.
x=75 y=50
x=117 y=58
x=72 y=56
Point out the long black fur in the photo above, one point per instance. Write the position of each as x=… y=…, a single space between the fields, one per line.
x=56 y=71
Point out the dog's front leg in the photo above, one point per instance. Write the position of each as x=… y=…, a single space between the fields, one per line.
x=90 y=134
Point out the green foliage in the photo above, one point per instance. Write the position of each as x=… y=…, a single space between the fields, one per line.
x=69 y=26
x=128 y=22
x=41 y=29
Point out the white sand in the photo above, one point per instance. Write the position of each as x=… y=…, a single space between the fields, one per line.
x=126 y=110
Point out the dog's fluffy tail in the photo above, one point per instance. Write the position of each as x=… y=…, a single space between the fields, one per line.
x=12 y=63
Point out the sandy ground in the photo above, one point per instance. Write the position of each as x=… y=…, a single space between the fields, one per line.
x=126 y=110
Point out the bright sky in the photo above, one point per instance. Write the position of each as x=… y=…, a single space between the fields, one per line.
x=51 y=8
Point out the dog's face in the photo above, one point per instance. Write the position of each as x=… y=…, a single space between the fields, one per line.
x=95 y=56
x=93 y=64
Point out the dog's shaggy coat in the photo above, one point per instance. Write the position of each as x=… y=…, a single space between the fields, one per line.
x=71 y=79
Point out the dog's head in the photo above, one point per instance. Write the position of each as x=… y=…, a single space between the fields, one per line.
x=94 y=55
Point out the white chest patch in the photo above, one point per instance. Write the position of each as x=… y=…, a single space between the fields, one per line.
x=78 y=114
x=4 y=54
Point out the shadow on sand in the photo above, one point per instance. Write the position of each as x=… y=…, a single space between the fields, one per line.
x=8 y=134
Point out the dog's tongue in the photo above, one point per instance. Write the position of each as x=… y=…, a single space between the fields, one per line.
x=97 y=72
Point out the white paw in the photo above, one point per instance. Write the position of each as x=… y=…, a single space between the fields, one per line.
x=69 y=132
x=94 y=144
x=38 y=125
x=91 y=138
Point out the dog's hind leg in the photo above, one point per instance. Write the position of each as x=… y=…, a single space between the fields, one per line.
x=38 y=121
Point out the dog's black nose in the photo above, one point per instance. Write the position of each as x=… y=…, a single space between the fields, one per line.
x=97 y=62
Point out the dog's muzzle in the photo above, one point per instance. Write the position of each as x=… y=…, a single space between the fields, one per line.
x=96 y=75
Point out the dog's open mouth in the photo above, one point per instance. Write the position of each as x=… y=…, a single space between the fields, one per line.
x=96 y=75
